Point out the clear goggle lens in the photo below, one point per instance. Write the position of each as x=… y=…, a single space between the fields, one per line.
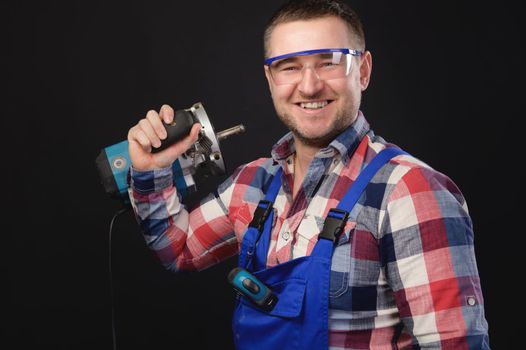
x=289 y=69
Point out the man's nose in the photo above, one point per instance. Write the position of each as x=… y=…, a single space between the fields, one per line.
x=310 y=83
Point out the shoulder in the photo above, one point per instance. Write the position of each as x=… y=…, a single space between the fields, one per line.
x=398 y=167
x=256 y=172
x=409 y=171
x=253 y=175
x=415 y=193
x=259 y=168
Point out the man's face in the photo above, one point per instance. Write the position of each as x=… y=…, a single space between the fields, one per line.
x=339 y=98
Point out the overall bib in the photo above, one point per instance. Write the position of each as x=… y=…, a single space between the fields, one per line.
x=299 y=320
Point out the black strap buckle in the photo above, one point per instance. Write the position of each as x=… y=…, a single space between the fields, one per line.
x=334 y=224
x=261 y=214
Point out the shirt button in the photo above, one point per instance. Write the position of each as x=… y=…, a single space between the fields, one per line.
x=285 y=235
x=471 y=301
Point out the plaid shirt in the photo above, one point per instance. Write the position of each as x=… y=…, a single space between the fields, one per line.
x=403 y=273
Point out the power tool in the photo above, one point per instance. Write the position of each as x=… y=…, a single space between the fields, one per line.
x=203 y=157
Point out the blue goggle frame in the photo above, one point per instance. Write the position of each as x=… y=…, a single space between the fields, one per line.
x=269 y=61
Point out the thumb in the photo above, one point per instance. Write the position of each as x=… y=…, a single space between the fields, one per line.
x=189 y=140
x=183 y=145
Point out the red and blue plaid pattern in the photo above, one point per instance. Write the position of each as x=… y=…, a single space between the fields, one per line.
x=403 y=274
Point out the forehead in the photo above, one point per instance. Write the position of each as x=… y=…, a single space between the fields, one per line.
x=319 y=33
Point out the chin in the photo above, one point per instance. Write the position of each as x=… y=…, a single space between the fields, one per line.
x=316 y=135
x=314 y=130
x=316 y=139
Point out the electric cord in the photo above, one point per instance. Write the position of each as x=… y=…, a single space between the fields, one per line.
x=112 y=293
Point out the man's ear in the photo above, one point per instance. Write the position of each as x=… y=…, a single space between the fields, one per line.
x=366 y=67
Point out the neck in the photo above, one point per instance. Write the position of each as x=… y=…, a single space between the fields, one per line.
x=304 y=155
x=302 y=159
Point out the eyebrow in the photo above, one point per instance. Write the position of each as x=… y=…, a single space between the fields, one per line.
x=322 y=55
x=286 y=60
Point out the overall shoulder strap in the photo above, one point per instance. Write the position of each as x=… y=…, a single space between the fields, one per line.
x=259 y=228
x=353 y=194
x=337 y=217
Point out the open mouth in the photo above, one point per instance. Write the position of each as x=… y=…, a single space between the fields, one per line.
x=314 y=104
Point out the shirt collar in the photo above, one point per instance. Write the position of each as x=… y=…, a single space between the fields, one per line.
x=345 y=143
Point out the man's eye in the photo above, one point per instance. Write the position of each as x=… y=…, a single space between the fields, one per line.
x=289 y=68
x=327 y=64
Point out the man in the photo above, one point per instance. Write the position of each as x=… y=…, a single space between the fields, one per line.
x=401 y=272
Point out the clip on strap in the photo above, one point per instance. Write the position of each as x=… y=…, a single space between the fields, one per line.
x=261 y=214
x=334 y=224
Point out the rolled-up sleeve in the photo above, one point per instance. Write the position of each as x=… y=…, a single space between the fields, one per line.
x=180 y=239
x=429 y=261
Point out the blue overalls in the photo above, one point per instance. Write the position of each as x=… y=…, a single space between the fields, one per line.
x=299 y=320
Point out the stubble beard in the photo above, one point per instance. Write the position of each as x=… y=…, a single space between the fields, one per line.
x=344 y=117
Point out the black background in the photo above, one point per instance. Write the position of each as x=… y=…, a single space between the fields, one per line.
x=447 y=85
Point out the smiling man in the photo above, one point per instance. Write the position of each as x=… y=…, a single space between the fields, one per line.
x=362 y=245
x=316 y=92
x=316 y=109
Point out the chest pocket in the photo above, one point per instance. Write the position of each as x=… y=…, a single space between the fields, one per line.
x=355 y=274
x=341 y=259
x=341 y=263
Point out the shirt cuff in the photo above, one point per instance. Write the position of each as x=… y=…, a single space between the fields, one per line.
x=151 y=181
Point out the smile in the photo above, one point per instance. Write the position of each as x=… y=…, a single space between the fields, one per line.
x=313 y=105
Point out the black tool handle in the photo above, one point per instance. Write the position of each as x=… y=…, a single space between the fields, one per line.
x=178 y=129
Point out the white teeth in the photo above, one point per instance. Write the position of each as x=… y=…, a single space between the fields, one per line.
x=314 y=105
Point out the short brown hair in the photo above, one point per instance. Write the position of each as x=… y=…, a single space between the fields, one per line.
x=294 y=10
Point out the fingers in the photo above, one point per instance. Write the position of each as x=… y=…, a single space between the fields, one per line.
x=136 y=134
x=145 y=125
x=166 y=113
x=148 y=133
x=156 y=125
x=150 y=130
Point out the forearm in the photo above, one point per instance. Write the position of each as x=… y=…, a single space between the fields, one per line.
x=427 y=240
x=181 y=240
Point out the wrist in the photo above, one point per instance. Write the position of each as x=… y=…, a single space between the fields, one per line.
x=152 y=180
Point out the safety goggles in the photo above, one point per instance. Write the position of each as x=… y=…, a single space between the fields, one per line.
x=326 y=63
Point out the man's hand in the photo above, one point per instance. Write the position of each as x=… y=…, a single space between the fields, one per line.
x=148 y=133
